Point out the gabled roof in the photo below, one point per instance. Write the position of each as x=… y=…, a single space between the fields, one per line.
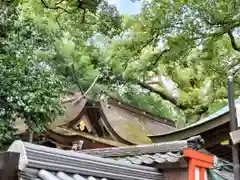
x=73 y=109
x=124 y=124
x=130 y=125
x=74 y=105
x=48 y=164
x=141 y=112
x=108 y=122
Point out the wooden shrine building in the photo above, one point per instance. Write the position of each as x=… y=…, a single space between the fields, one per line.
x=106 y=123
x=215 y=130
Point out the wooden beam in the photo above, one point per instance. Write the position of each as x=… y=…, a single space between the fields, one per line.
x=176 y=165
x=235 y=136
x=216 y=136
x=193 y=130
x=9 y=165
x=196 y=155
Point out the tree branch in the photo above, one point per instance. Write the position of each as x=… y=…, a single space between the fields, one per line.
x=83 y=16
x=57 y=18
x=152 y=65
x=163 y=95
x=158 y=57
x=233 y=42
x=74 y=76
x=94 y=82
x=145 y=45
x=59 y=2
x=148 y=42
x=85 y=94
x=56 y=7
x=207 y=21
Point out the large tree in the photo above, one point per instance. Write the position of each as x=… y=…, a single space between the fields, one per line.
x=74 y=28
x=30 y=90
x=180 y=52
x=45 y=47
x=171 y=59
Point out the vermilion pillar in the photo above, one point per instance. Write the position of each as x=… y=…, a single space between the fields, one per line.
x=198 y=163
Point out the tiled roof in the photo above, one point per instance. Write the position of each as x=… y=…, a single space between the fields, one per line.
x=222 y=170
x=43 y=174
x=38 y=161
x=148 y=159
x=159 y=153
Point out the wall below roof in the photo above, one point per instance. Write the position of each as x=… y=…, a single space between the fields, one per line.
x=176 y=174
x=213 y=132
x=213 y=139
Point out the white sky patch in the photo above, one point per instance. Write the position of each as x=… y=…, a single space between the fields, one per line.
x=170 y=86
x=206 y=87
x=161 y=44
x=126 y=6
x=115 y=2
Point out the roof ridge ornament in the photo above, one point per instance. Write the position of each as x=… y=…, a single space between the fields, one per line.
x=195 y=142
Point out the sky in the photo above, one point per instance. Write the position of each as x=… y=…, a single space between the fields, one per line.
x=126 y=6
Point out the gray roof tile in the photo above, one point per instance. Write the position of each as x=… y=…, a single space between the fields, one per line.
x=222 y=170
x=148 y=159
x=47 y=175
x=37 y=161
x=149 y=154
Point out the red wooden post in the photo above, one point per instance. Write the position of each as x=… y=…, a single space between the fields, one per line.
x=9 y=166
x=197 y=160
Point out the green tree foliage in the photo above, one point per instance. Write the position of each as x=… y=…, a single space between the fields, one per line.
x=190 y=43
x=46 y=46
x=171 y=59
x=75 y=56
x=30 y=90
